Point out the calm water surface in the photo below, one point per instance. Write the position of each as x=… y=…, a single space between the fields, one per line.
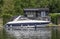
x=31 y=33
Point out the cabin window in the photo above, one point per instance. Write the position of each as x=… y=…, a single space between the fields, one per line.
x=39 y=14
x=31 y=14
x=43 y=14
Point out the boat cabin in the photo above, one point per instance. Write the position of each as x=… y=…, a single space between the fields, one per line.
x=36 y=13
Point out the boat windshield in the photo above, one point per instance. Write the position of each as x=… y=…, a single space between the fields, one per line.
x=22 y=18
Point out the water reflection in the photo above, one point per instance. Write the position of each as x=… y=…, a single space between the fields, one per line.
x=31 y=33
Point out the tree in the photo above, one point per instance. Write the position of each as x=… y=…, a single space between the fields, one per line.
x=1 y=4
x=15 y=7
x=8 y=7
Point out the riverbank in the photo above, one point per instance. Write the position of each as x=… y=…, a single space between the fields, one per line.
x=1 y=28
x=1 y=23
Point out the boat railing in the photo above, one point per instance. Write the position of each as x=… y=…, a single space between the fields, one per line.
x=47 y=18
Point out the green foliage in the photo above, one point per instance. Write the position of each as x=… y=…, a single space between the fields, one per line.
x=15 y=7
x=6 y=18
x=54 y=17
x=54 y=6
x=1 y=2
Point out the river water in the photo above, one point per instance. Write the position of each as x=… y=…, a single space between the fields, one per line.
x=31 y=33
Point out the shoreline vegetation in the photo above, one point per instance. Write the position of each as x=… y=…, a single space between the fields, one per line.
x=10 y=8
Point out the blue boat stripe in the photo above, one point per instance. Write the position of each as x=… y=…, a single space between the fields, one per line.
x=25 y=24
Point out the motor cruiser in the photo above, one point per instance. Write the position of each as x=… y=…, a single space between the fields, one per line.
x=23 y=22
